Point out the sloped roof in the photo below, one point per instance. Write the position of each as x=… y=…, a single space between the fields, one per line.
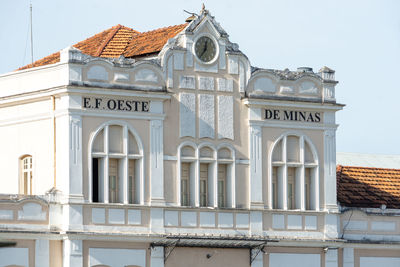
x=152 y=41
x=367 y=187
x=118 y=41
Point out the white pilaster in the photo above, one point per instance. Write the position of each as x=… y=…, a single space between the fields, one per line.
x=331 y=226
x=331 y=258
x=284 y=177
x=72 y=253
x=156 y=162
x=75 y=158
x=255 y=167
x=348 y=257
x=330 y=170
x=157 y=220
x=105 y=168
x=124 y=167
x=42 y=253
x=300 y=175
x=256 y=222
x=157 y=257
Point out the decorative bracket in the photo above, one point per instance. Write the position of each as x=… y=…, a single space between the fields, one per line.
x=169 y=248
x=254 y=251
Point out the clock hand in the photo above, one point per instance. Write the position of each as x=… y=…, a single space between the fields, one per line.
x=205 y=48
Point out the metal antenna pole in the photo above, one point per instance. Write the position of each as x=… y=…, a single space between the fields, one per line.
x=31 y=34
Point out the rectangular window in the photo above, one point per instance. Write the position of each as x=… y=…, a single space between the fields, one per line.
x=203 y=184
x=95 y=180
x=113 y=180
x=185 y=174
x=291 y=182
x=131 y=181
x=222 y=185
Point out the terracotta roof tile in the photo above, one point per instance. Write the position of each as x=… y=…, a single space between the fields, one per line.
x=116 y=41
x=368 y=187
x=116 y=44
x=152 y=41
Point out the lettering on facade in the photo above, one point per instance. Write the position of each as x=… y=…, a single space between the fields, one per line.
x=115 y=104
x=292 y=115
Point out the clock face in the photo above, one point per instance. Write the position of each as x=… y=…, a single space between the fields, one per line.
x=205 y=49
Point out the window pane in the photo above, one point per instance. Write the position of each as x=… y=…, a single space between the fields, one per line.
x=115 y=139
x=113 y=180
x=307 y=187
x=203 y=184
x=131 y=181
x=95 y=180
x=185 y=167
x=274 y=187
x=222 y=185
x=291 y=188
x=293 y=149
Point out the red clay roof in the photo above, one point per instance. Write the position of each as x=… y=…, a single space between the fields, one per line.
x=152 y=41
x=368 y=187
x=116 y=41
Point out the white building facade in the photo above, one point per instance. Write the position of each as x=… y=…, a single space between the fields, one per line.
x=189 y=156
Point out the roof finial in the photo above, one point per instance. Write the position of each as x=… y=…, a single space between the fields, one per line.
x=203 y=9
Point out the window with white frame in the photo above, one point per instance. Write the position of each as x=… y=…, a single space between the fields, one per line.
x=26 y=177
x=206 y=176
x=116 y=158
x=293 y=179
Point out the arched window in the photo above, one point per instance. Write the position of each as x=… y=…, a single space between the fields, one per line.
x=26 y=177
x=293 y=174
x=206 y=176
x=226 y=177
x=116 y=170
x=188 y=162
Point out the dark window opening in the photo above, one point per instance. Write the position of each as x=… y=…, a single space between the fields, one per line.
x=95 y=179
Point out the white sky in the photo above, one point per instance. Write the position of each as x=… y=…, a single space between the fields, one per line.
x=358 y=39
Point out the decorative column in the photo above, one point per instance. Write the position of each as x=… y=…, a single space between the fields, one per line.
x=156 y=162
x=256 y=200
x=330 y=170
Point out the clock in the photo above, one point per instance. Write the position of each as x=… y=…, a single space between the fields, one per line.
x=205 y=49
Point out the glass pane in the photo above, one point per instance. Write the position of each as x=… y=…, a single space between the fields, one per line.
x=203 y=184
x=293 y=149
x=277 y=154
x=98 y=144
x=221 y=193
x=131 y=181
x=291 y=188
x=113 y=180
x=115 y=139
x=308 y=156
x=274 y=187
x=307 y=187
x=185 y=168
x=132 y=144
x=184 y=193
